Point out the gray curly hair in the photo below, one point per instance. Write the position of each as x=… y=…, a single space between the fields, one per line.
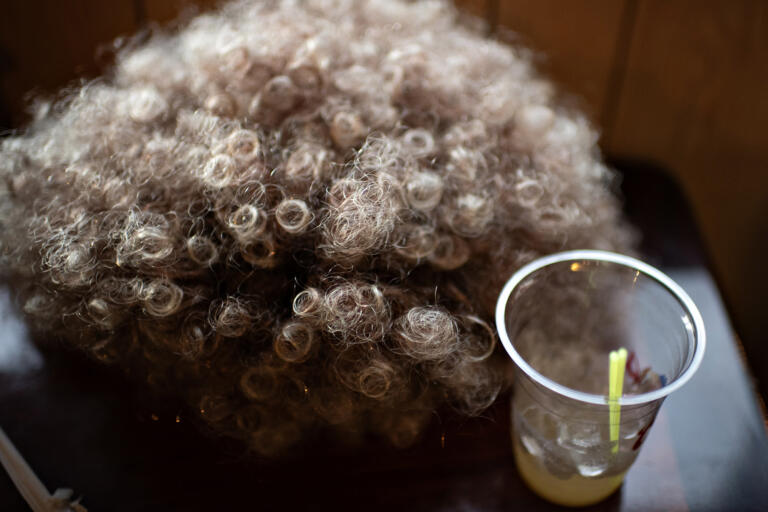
x=299 y=214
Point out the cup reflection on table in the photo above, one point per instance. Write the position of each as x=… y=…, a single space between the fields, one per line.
x=559 y=318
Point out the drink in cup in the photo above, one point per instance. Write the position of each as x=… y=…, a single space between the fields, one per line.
x=579 y=414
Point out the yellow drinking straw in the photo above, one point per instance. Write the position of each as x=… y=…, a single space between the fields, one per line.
x=618 y=362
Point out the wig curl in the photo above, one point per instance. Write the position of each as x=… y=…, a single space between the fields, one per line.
x=298 y=215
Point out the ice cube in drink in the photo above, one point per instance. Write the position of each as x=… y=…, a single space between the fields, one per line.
x=573 y=491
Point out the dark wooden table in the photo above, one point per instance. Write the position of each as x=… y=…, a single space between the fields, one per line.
x=83 y=426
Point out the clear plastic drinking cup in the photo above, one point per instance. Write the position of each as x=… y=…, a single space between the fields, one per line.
x=559 y=318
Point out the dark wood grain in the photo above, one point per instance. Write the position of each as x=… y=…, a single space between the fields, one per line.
x=575 y=43
x=166 y=10
x=46 y=44
x=480 y=8
x=694 y=99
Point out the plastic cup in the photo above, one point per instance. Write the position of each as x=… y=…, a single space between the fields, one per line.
x=559 y=317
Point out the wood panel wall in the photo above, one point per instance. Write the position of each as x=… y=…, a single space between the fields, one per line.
x=695 y=98
x=575 y=46
x=45 y=44
x=680 y=82
x=683 y=83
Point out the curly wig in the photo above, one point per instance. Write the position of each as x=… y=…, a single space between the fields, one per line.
x=299 y=214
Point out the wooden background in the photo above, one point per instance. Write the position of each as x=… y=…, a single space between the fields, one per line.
x=683 y=83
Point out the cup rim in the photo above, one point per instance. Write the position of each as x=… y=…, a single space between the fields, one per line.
x=620 y=259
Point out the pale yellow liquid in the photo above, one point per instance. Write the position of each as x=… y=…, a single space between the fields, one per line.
x=576 y=491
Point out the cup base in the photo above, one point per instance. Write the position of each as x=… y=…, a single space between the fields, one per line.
x=576 y=491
